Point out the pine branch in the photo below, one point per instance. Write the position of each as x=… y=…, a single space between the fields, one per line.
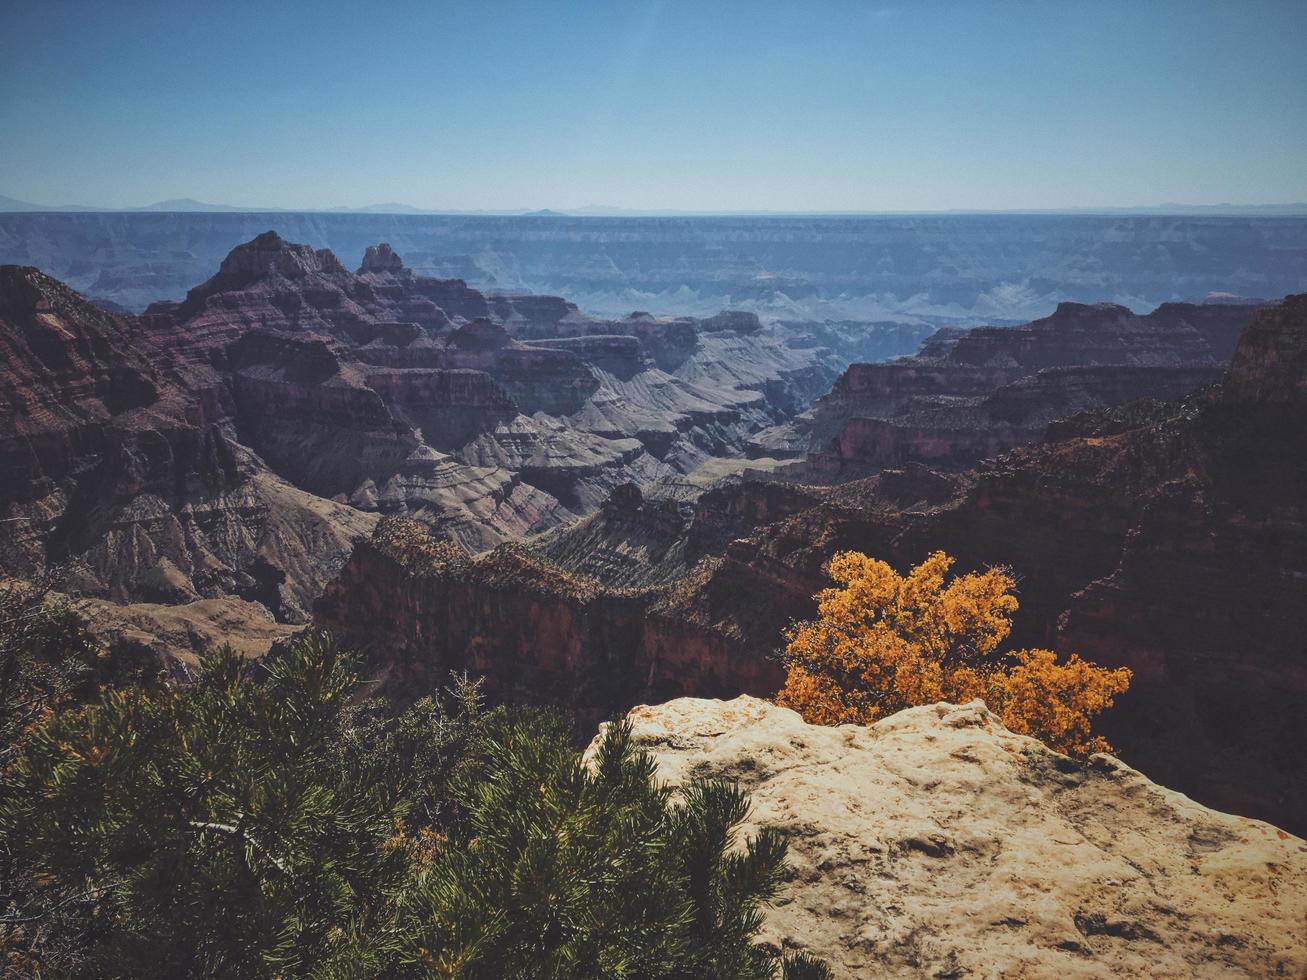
x=234 y=831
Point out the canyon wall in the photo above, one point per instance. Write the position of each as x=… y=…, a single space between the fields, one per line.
x=970 y=394
x=236 y=443
x=535 y=632
x=1163 y=536
x=130 y=481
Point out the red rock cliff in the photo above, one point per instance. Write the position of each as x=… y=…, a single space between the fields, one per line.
x=534 y=631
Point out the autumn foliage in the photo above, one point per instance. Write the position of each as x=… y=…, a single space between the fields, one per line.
x=884 y=642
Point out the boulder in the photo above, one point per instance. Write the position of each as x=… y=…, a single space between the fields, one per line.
x=938 y=843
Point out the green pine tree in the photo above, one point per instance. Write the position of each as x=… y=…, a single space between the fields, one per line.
x=261 y=822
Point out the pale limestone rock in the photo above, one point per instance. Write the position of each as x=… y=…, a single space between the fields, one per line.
x=939 y=844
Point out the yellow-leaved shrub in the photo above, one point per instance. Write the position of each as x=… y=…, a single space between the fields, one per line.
x=883 y=642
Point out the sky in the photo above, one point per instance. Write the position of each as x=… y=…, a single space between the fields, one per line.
x=655 y=104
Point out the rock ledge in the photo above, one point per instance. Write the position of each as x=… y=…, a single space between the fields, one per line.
x=936 y=843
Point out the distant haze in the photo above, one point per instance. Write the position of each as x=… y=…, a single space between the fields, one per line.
x=933 y=269
x=188 y=205
x=654 y=107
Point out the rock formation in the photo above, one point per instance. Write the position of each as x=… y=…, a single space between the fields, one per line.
x=1167 y=537
x=534 y=631
x=937 y=843
x=180 y=634
x=972 y=394
x=240 y=443
x=237 y=443
x=1163 y=536
x=638 y=540
x=345 y=385
x=110 y=468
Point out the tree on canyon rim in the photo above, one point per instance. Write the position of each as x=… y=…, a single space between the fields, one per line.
x=883 y=642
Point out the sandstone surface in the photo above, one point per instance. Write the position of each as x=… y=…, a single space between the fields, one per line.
x=936 y=843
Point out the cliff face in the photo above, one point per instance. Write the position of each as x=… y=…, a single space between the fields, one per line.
x=937 y=843
x=637 y=541
x=1105 y=333
x=1167 y=537
x=449 y=407
x=1163 y=536
x=343 y=382
x=1208 y=601
x=134 y=482
x=238 y=441
x=536 y=632
x=971 y=394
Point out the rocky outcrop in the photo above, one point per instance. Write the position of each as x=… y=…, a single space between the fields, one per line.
x=1168 y=537
x=327 y=437
x=1106 y=333
x=188 y=454
x=448 y=407
x=951 y=432
x=381 y=259
x=237 y=442
x=634 y=541
x=534 y=631
x=616 y=354
x=136 y=483
x=637 y=540
x=937 y=843
x=575 y=467
x=342 y=382
x=1208 y=597
x=178 y=635
x=971 y=394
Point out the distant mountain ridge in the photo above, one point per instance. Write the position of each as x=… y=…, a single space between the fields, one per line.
x=190 y=204
x=931 y=271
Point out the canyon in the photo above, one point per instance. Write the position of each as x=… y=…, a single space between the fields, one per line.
x=238 y=442
x=653 y=490
x=971 y=394
x=598 y=511
x=1165 y=536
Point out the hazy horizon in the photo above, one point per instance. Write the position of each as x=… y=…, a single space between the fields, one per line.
x=657 y=106
x=188 y=204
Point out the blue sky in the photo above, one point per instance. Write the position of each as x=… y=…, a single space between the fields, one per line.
x=683 y=105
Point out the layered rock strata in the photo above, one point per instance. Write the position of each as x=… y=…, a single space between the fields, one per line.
x=971 y=394
x=1168 y=537
x=236 y=443
x=532 y=630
